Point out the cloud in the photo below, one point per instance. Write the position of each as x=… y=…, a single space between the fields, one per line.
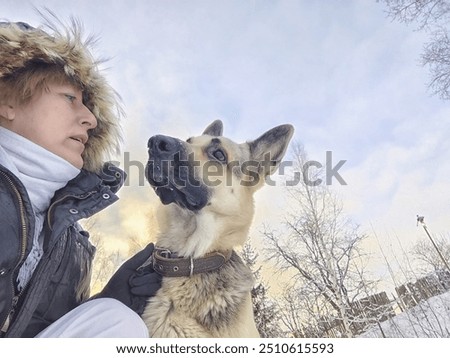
x=396 y=182
x=341 y=72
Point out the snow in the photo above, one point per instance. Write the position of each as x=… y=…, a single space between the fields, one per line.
x=429 y=319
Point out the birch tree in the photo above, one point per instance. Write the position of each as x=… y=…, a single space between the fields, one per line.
x=432 y=16
x=320 y=249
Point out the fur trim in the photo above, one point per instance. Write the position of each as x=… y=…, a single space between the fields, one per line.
x=21 y=44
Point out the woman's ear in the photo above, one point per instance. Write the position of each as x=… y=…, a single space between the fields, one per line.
x=7 y=111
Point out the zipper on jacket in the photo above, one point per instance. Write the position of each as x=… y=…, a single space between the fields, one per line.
x=10 y=314
x=6 y=322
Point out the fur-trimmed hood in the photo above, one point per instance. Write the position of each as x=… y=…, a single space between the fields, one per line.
x=21 y=44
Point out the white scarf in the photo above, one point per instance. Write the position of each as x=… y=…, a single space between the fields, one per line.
x=42 y=173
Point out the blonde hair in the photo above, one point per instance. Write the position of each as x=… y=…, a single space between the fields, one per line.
x=22 y=85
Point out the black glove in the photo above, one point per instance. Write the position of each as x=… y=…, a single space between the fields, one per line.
x=132 y=284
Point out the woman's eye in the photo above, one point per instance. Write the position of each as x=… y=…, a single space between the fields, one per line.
x=70 y=97
x=220 y=155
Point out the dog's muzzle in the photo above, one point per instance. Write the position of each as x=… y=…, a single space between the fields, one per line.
x=172 y=175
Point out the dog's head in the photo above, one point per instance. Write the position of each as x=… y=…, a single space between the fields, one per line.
x=195 y=173
x=207 y=184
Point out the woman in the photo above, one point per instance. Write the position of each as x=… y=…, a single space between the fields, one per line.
x=58 y=119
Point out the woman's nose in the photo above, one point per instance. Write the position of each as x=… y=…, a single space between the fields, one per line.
x=88 y=118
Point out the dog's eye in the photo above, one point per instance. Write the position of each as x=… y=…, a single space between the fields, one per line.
x=219 y=155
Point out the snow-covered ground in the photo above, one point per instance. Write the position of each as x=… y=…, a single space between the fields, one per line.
x=429 y=319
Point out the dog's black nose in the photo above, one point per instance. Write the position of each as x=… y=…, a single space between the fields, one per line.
x=163 y=144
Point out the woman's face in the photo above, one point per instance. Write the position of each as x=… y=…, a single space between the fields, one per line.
x=57 y=120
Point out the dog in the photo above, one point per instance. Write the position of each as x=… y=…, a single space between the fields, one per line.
x=206 y=186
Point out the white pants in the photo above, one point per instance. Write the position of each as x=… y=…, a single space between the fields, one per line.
x=99 y=318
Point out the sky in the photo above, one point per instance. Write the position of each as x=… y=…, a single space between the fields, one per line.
x=345 y=75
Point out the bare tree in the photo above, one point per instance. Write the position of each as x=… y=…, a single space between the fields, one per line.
x=321 y=249
x=302 y=313
x=108 y=260
x=105 y=263
x=433 y=17
x=427 y=255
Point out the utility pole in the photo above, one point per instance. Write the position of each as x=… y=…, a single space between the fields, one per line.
x=420 y=219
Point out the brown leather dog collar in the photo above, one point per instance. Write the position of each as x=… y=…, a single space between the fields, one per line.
x=168 y=264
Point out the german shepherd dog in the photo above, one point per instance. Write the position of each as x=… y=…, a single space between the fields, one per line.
x=206 y=185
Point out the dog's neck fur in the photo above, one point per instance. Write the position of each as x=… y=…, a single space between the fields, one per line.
x=198 y=234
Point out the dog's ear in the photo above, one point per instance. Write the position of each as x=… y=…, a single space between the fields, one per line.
x=215 y=129
x=269 y=148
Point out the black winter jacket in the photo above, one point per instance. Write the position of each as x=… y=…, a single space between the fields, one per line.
x=62 y=278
